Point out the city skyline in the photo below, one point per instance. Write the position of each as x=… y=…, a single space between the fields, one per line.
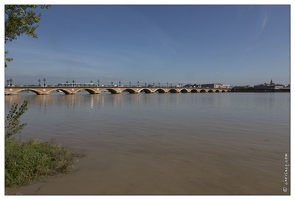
x=236 y=45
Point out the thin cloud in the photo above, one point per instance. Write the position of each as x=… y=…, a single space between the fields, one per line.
x=168 y=47
x=264 y=22
x=49 y=56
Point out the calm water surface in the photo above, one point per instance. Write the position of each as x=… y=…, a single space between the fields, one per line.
x=200 y=143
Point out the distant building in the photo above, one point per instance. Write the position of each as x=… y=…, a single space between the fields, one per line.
x=215 y=85
x=192 y=85
x=246 y=88
x=270 y=86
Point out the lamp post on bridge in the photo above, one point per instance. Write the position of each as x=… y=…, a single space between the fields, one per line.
x=137 y=83
x=129 y=83
x=44 y=80
x=67 y=83
x=10 y=80
x=119 y=83
x=97 y=82
x=39 y=82
x=167 y=84
x=73 y=82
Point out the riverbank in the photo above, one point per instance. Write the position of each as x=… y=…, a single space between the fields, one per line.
x=168 y=168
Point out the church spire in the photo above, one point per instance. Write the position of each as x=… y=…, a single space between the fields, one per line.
x=271 y=82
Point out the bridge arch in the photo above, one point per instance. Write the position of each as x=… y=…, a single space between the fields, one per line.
x=112 y=91
x=183 y=91
x=160 y=90
x=210 y=91
x=130 y=90
x=61 y=89
x=31 y=90
x=203 y=91
x=146 y=90
x=90 y=91
x=194 y=91
x=173 y=91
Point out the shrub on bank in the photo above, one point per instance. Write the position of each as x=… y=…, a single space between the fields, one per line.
x=28 y=161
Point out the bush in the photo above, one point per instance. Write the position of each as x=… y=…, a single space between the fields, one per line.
x=28 y=161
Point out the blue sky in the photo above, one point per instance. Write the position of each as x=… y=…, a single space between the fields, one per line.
x=236 y=45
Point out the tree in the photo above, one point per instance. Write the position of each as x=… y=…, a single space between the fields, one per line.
x=20 y=19
x=12 y=121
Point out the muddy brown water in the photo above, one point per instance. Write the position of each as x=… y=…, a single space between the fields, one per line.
x=223 y=143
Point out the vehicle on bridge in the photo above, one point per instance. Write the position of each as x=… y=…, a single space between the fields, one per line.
x=76 y=84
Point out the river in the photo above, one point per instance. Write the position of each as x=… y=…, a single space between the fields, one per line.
x=172 y=143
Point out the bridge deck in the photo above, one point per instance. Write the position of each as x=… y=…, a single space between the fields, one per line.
x=45 y=90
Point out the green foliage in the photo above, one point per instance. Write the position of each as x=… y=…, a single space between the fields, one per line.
x=7 y=59
x=12 y=122
x=20 y=19
x=25 y=162
x=28 y=161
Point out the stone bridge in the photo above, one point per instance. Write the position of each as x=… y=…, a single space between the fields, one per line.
x=45 y=90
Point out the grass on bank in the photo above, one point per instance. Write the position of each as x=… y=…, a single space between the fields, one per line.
x=28 y=161
x=34 y=159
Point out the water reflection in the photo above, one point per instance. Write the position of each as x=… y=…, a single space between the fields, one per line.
x=216 y=101
x=250 y=108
